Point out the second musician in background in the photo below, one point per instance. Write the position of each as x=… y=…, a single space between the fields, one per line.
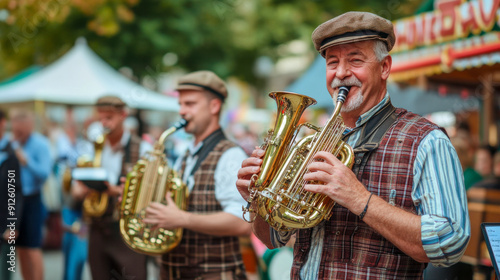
x=109 y=256
x=209 y=248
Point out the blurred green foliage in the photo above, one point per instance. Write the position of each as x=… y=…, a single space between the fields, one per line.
x=225 y=36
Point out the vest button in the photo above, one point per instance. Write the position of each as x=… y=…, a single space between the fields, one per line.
x=337 y=233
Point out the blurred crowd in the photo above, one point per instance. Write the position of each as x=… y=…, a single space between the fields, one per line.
x=46 y=215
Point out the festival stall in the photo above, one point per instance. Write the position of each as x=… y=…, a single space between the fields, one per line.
x=454 y=49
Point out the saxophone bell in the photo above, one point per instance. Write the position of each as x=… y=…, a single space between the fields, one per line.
x=149 y=181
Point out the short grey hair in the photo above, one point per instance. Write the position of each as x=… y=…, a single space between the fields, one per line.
x=380 y=49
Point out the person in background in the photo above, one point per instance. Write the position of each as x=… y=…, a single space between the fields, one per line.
x=466 y=154
x=464 y=144
x=12 y=201
x=483 y=160
x=482 y=166
x=491 y=181
x=108 y=255
x=403 y=204
x=210 y=247
x=33 y=152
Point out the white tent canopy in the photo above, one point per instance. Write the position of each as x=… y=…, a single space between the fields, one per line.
x=80 y=77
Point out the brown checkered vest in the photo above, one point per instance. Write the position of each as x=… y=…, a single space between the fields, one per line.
x=351 y=249
x=200 y=253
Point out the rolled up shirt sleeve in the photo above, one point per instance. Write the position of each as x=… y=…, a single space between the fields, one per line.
x=226 y=174
x=440 y=199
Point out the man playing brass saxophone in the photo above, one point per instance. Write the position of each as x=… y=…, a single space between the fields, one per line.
x=209 y=248
x=403 y=204
x=108 y=255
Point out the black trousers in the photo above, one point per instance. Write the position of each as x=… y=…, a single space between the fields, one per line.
x=109 y=256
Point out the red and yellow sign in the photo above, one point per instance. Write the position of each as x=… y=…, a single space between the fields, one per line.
x=455 y=36
x=452 y=19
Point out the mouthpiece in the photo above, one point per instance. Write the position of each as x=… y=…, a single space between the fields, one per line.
x=180 y=124
x=176 y=126
x=343 y=91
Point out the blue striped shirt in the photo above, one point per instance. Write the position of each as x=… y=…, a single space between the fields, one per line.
x=438 y=194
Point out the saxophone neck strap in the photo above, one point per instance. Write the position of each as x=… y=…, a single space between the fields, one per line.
x=372 y=134
x=375 y=128
x=209 y=144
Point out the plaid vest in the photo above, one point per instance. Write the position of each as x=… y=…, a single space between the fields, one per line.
x=199 y=253
x=351 y=249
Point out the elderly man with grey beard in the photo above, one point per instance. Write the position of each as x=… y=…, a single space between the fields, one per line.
x=403 y=204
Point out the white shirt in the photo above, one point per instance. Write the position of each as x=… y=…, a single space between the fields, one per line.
x=112 y=157
x=225 y=176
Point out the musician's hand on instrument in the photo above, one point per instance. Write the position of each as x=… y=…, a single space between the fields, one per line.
x=122 y=186
x=123 y=179
x=114 y=190
x=79 y=190
x=337 y=181
x=249 y=167
x=166 y=216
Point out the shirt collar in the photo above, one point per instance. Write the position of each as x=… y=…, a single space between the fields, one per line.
x=125 y=138
x=194 y=149
x=123 y=141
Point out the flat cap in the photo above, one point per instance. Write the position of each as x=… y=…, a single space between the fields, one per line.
x=203 y=80
x=353 y=27
x=110 y=101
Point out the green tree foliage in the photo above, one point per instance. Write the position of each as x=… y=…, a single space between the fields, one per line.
x=225 y=36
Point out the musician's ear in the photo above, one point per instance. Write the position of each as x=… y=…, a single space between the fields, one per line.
x=215 y=106
x=386 y=67
x=124 y=113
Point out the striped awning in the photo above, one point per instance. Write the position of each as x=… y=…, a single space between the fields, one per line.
x=459 y=55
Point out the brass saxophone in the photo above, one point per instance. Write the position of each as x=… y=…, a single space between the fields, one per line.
x=95 y=202
x=148 y=182
x=279 y=187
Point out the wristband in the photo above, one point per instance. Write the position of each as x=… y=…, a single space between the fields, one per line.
x=366 y=208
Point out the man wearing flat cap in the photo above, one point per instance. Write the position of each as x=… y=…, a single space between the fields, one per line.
x=403 y=204
x=212 y=224
x=109 y=257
